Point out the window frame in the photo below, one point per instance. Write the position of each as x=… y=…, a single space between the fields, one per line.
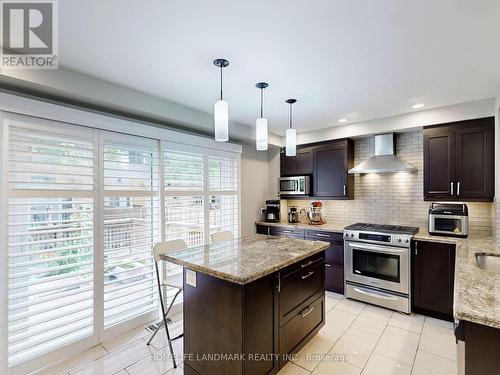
x=50 y=113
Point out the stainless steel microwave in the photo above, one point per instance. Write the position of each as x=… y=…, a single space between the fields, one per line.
x=297 y=185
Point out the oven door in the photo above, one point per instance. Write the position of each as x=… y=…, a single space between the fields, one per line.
x=384 y=267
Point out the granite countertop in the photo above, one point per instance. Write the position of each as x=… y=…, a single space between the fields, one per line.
x=477 y=291
x=246 y=259
x=328 y=227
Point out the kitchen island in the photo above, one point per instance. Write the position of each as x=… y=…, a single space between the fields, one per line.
x=249 y=303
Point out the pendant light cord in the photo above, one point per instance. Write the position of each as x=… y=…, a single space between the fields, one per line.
x=291 y=115
x=221 y=82
x=261 y=102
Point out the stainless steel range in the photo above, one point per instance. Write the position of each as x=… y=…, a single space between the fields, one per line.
x=377 y=264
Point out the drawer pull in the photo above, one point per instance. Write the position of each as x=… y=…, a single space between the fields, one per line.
x=327 y=265
x=304 y=265
x=306 y=311
x=310 y=273
x=322 y=235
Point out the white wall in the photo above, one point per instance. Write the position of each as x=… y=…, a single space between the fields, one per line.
x=497 y=145
x=254 y=186
x=409 y=121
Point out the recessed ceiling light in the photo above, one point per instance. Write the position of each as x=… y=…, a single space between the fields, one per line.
x=342 y=120
x=418 y=106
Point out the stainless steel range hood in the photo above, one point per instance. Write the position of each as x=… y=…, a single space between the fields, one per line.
x=385 y=160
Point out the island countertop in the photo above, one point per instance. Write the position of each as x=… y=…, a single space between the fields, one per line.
x=246 y=259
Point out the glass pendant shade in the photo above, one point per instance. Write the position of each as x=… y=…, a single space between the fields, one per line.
x=261 y=134
x=291 y=142
x=221 y=121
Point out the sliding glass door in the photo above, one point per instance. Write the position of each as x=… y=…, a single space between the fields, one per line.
x=51 y=236
x=85 y=207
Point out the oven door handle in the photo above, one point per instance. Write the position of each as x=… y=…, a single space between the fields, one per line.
x=377 y=249
x=375 y=295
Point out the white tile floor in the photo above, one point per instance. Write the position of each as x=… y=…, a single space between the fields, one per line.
x=357 y=339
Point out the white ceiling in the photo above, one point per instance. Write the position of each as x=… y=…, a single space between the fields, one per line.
x=359 y=59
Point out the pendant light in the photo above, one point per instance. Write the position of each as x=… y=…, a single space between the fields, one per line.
x=221 y=109
x=261 y=122
x=291 y=134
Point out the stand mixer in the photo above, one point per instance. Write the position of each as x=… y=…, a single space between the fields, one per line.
x=313 y=214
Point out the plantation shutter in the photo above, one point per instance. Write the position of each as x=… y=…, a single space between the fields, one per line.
x=51 y=183
x=131 y=226
x=223 y=177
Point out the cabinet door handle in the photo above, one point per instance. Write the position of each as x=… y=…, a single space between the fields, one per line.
x=458 y=188
x=451 y=188
x=278 y=287
x=310 y=273
x=306 y=311
x=304 y=265
x=344 y=189
x=327 y=265
x=416 y=248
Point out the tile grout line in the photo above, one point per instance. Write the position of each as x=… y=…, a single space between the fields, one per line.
x=418 y=346
x=373 y=351
x=343 y=333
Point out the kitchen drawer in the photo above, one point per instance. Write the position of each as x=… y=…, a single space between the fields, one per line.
x=303 y=325
x=286 y=232
x=323 y=235
x=299 y=287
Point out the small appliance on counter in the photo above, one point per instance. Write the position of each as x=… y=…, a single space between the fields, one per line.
x=273 y=211
x=293 y=215
x=449 y=219
x=314 y=216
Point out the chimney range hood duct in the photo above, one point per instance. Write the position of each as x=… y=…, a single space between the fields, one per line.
x=384 y=160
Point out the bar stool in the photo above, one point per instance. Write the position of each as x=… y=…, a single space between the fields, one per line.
x=175 y=281
x=222 y=236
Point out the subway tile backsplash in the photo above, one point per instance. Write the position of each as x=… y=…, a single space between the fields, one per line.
x=396 y=198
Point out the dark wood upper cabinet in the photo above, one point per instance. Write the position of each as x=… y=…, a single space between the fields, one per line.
x=331 y=163
x=288 y=164
x=433 y=277
x=328 y=163
x=475 y=160
x=459 y=160
x=301 y=164
x=439 y=162
x=304 y=161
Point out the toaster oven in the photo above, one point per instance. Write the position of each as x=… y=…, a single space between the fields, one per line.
x=449 y=219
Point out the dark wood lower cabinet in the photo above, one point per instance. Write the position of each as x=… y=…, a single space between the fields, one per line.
x=334 y=262
x=263 y=321
x=433 y=277
x=482 y=348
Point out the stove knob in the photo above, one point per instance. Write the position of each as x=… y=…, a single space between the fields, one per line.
x=399 y=240
x=352 y=234
x=407 y=240
x=347 y=234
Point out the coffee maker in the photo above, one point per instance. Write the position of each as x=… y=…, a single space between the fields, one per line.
x=273 y=211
